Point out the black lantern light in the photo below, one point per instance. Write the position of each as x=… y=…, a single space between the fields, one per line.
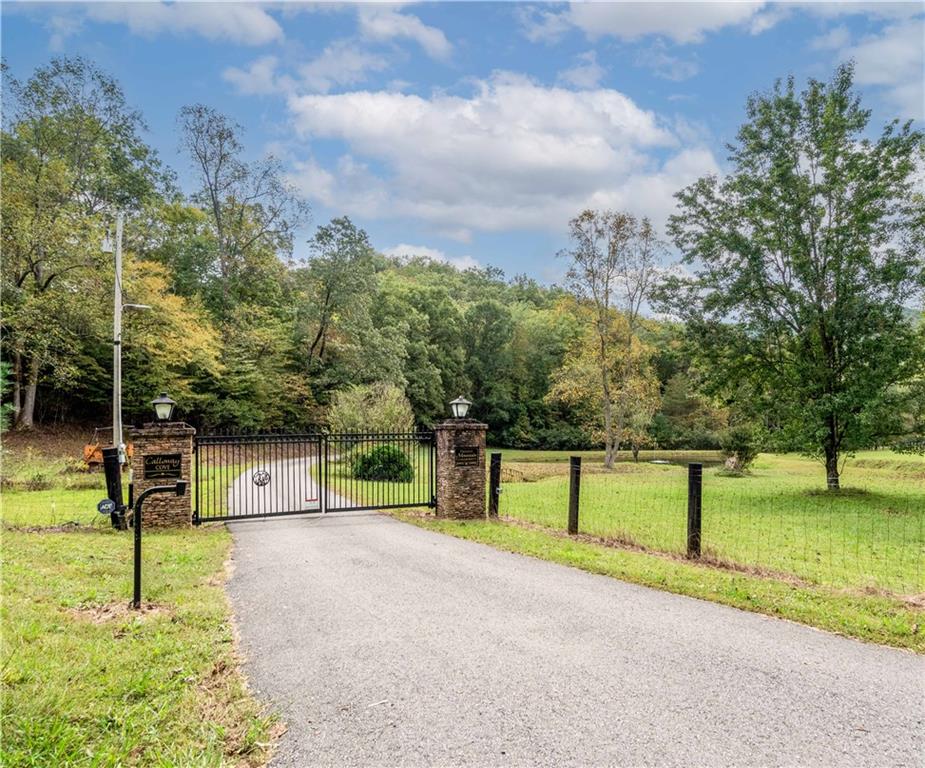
x=460 y=407
x=163 y=407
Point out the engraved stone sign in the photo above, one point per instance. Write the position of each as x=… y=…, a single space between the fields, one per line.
x=467 y=456
x=162 y=466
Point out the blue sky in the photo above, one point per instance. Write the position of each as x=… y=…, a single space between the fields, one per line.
x=473 y=131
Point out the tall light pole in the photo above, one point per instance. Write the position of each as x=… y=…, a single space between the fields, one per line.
x=117 y=348
x=117 y=307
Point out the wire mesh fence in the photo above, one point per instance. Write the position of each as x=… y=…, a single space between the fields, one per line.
x=870 y=536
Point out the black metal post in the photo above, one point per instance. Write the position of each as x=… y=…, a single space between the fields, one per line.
x=198 y=485
x=113 y=472
x=694 y=504
x=574 y=485
x=494 y=484
x=179 y=489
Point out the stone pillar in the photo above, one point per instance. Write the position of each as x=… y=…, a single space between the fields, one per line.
x=461 y=468
x=163 y=454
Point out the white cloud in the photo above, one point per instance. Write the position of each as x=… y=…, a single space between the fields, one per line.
x=539 y=25
x=385 y=22
x=875 y=8
x=686 y=22
x=259 y=78
x=341 y=63
x=586 y=74
x=513 y=155
x=681 y=22
x=664 y=65
x=835 y=38
x=241 y=23
x=404 y=251
x=895 y=60
x=62 y=27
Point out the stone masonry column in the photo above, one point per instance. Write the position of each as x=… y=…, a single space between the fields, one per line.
x=163 y=454
x=461 y=468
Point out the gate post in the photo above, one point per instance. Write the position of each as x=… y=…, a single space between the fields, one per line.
x=461 y=468
x=163 y=452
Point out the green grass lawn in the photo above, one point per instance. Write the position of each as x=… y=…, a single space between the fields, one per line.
x=871 y=535
x=343 y=484
x=88 y=682
x=875 y=618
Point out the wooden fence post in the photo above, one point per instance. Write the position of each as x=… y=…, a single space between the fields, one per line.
x=573 y=493
x=494 y=484
x=694 y=501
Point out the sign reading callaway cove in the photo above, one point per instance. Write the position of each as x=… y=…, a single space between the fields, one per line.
x=159 y=466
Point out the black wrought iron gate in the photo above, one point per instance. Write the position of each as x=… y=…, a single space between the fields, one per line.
x=249 y=476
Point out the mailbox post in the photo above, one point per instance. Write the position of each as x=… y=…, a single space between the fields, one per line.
x=179 y=490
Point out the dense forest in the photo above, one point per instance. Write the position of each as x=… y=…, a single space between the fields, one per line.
x=802 y=336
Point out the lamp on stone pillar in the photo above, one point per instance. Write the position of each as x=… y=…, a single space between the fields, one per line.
x=460 y=470
x=460 y=407
x=163 y=407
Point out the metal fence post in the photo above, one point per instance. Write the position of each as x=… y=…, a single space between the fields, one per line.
x=323 y=474
x=694 y=502
x=494 y=484
x=573 y=493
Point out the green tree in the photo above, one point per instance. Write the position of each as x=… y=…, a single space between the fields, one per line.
x=251 y=208
x=335 y=287
x=612 y=262
x=804 y=256
x=488 y=334
x=632 y=385
x=428 y=322
x=71 y=153
x=373 y=407
x=6 y=407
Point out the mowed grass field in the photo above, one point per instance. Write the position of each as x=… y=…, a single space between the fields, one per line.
x=778 y=518
x=85 y=680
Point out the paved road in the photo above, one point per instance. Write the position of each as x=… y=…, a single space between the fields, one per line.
x=282 y=486
x=384 y=644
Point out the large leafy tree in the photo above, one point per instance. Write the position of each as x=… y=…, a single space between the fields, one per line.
x=632 y=385
x=804 y=256
x=337 y=341
x=252 y=211
x=72 y=153
x=612 y=267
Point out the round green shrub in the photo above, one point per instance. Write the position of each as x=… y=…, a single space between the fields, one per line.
x=384 y=462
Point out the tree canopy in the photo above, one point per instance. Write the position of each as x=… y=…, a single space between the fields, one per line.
x=795 y=316
x=804 y=256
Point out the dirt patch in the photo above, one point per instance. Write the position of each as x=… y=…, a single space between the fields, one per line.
x=914 y=601
x=71 y=526
x=54 y=442
x=103 y=614
x=533 y=471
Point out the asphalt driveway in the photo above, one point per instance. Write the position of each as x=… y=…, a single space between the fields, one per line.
x=384 y=644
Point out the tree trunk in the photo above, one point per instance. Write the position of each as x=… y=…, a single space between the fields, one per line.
x=17 y=386
x=831 y=468
x=609 y=448
x=26 y=415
